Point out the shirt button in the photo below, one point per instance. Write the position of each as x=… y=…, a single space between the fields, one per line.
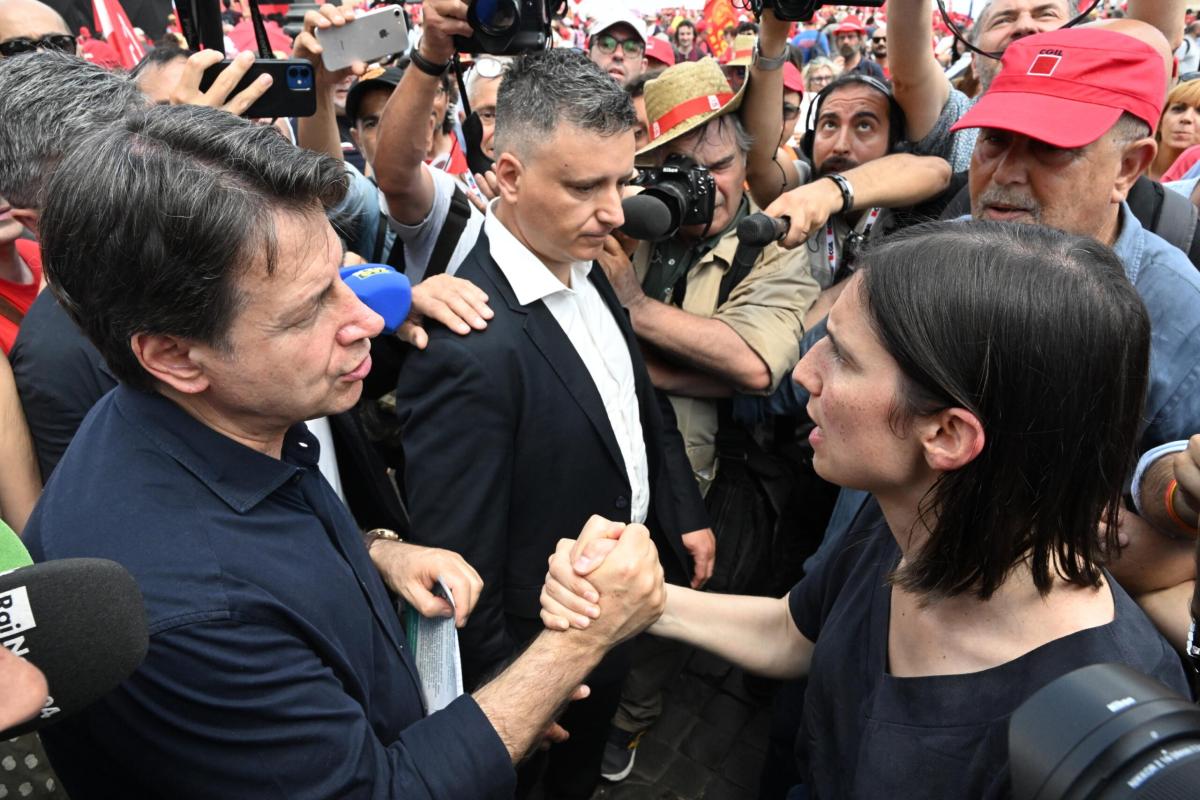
x=622 y=502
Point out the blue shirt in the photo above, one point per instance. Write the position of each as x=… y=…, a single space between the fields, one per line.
x=1170 y=288
x=277 y=666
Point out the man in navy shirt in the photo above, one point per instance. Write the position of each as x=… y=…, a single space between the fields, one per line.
x=192 y=249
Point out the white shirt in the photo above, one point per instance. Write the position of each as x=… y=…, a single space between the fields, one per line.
x=589 y=325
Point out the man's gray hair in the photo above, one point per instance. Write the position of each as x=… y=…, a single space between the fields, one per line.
x=712 y=127
x=474 y=78
x=977 y=28
x=1128 y=129
x=544 y=88
x=48 y=101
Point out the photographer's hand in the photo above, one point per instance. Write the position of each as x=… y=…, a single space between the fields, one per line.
x=619 y=269
x=187 y=91
x=442 y=21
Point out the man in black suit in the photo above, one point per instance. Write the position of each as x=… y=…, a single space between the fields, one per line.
x=520 y=432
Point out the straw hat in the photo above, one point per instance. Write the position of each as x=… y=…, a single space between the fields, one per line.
x=686 y=96
x=742 y=52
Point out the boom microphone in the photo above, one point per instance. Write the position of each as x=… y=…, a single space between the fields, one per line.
x=759 y=230
x=82 y=622
x=647 y=218
x=382 y=289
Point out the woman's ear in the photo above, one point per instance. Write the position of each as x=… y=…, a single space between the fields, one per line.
x=952 y=438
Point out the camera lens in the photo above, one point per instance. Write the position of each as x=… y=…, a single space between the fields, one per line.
x=496 y=17
x=1105 y=732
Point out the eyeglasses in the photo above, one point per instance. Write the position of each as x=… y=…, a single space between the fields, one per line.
x=607 y=43
x=790 y=110
x=882 y=39
x=61 y=42
x=819 y=80
x=488 y=67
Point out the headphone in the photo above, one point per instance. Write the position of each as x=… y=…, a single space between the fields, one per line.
x=896 y=143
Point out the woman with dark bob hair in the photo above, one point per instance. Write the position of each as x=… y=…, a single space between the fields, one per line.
x=984 y=382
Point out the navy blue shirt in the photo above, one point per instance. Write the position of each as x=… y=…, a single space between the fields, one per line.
x=867 y=733
x=277 y=665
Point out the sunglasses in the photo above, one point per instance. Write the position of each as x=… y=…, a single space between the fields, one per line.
x=62 y=42
x=607 y=43
x=880 y=39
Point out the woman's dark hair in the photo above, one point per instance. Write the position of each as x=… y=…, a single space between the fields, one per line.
x=1040 y=335
x=149 y=222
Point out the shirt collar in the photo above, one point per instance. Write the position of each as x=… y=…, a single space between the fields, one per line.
x=1130 y=242
x=240 y=476
x=530 y=279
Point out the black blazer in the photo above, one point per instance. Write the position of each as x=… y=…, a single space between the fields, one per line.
x=508 y=449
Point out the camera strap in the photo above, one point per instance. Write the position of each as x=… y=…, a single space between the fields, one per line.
x=831 y=239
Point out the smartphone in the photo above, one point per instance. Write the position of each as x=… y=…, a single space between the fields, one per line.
x=366 y=38
x=292 y=93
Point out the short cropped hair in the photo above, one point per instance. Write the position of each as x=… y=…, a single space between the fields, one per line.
x=48 y=102
x=544 y=88
x=977 y=29
x=148 y=223
x=1041 y=336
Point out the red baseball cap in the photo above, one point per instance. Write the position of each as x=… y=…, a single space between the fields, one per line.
x=850 y=24
x=660 y=51
x=1068 y=87
x=793 y=81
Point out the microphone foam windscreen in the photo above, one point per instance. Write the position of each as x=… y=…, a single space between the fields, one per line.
x=758 y=230
x=646 y=218
x=384 y=290
x=81 y=621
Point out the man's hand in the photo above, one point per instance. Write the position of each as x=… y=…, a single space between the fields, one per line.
x=1187 y=473
x=619 y=269
x=442 y=20
x=809 y=206
x=307 y=47
x=411 y=571
x=187 y=91
x=489 y=184
x=702 y=546
x=458 y=304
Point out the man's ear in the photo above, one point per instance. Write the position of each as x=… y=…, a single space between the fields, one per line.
x=169 y=360
x=27 y=217
x=952 y=438
x=509 y=170
x=1135 y=159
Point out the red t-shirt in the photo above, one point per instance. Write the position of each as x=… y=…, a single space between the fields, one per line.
x=20 y=295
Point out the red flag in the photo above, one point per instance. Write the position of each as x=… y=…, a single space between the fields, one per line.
x=718 y=15
x=112 y=21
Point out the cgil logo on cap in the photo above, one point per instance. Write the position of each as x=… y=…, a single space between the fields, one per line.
x=1045 y=64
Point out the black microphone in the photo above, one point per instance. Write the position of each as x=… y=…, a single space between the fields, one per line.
x=759 y=230
x=82 y=622
x=647 y=218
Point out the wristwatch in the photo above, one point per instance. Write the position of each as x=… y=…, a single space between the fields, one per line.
x=428 y=67
x=769 y=64
x=370 y=536
x=845 y=188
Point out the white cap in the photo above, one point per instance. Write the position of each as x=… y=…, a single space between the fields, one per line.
x=615 y=16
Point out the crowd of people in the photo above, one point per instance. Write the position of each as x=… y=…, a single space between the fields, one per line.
x=930 y=445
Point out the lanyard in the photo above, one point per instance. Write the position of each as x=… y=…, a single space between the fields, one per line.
x=830 y=242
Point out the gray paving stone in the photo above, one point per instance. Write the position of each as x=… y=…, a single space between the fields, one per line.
x=721 y=789
x=743 y=765
x=686 y=778
x=653 y=758
x=708 y=744
x=727 y=711
x=674 y=725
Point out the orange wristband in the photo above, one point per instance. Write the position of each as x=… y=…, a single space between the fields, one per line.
x=1169 y=502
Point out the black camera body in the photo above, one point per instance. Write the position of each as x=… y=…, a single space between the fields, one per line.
x=686 y=188
x=798 y=10
x=508 y=27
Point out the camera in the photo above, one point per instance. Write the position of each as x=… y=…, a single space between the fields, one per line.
x=1104 y=732
x=798 y=10
x=507 y=27
x=686 y=189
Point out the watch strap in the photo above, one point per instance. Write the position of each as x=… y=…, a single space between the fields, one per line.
x=428 y=67
x=769 y=64
x=845 y=188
